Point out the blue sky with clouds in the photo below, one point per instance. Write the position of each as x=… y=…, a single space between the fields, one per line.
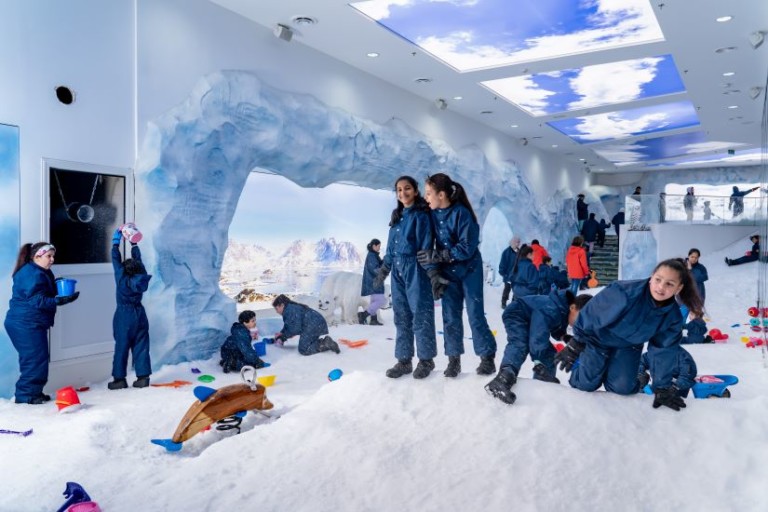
x=629 y=123
x=662 y=147
x=471 y=34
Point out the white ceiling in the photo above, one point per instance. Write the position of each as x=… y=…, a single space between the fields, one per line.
x=691 y=36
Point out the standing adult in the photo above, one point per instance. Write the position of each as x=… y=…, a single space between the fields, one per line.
x=589 y=231
x=662 y=207
x=689 y=202
x=698 y=272
x=601 y=227
x=372 y=264
x=617 y=221
x=413 y=285
x=30 y=315
x=457 y=241
x=582 y=211
x=576 y=263
x=736 y=202
x=508 y=268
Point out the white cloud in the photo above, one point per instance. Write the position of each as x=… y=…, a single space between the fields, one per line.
x=612 y=126
x=380 y=9
x=522 y=91
x=597 y=85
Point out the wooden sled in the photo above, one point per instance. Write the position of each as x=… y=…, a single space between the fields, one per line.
x=214 y=405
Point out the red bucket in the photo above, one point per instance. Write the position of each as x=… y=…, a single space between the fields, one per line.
x=66 y=397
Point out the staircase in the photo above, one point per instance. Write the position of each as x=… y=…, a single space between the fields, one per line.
x=605 y=260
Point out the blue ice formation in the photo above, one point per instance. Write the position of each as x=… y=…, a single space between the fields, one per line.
x=196 y=158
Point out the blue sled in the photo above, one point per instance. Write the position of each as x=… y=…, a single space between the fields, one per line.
x=708 y=389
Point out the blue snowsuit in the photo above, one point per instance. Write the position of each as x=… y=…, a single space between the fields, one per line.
x=547 y=277
x=412 y=302
x=529 y=323
x=237 y=351
x=699 y=274
x=371 y=269
x=130 y=326
x=753 y=255
x=697 y=329
x=308 y=324
x=615 y=325
x=457 y=231
x=589 y=230
x=30 y=315
x=684 y=373
x=526 y=280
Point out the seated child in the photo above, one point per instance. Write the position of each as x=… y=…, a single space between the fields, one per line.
x=308 y=324
x=546 y=276
x=683 y=375
x=697 y=332
x=529 y=322
x=237 y=351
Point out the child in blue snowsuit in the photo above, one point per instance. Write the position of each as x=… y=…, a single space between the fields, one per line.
x=130 y=326
x=547 y=276
x=458 y=255
x=698 y=272
x=308 y=324
x=529 y=322
x=237 y=351
x=697 y=332
x=371 y=287
x=527 y=277
x=683 y=376
x=611 y=330
x=751 y=256
x=413 y=286
x=30 y=315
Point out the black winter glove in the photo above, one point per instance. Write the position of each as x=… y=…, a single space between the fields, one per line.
x=566 y=338
x=668 y=397
x=431 y=256
x=381 y=275
x=569 y=354
x=60 y=301
x=439 y=284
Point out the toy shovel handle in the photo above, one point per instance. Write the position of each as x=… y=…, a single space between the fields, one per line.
x=252 y=381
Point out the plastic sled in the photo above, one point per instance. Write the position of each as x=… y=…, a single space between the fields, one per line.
x=353 y=344
x=713 y=385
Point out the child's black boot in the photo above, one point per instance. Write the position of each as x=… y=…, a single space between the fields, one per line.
x=141 y=382
x=487 y=365
x=402 y=367
x=540 y=372
x=423 y=369
x=454 y=366
x=501 y=386
x=117 y=384
x=374 y=320
x=361 y=316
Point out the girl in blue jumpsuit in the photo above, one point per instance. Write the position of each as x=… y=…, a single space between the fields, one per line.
x=308 y=324
x=30 y=315
x=370 y=271
x=457 y=253
x=410 y=230
x=611 y=330
x=130 y=326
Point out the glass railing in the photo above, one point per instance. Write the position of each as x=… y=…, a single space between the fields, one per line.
x=643 y=210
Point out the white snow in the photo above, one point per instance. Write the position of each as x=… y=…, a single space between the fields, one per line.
x=369 y=443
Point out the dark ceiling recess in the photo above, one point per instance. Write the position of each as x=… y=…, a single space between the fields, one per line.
x=65 y=95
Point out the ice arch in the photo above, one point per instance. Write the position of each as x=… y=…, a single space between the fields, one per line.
x=194 y=163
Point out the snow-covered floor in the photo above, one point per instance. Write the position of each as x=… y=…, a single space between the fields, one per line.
x=369 y=443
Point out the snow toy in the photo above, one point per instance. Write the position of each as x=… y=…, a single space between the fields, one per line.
x=25 y=433
x=754 y=342
x=718 y=336
x=66 y=397
x=335 y=374
x=261 y=348
x=77 y=500
x=228 y=403
x=175 y=384
x=593 y=282
x=353 y=344
x=266 y=380
x=65 y=287
x=713 y=386
x=131 y=232
x=195 y=370
x=206 y=378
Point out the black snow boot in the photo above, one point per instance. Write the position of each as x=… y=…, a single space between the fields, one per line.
x=402 y=367
x=327 y=343
x=424 y=368
x=487 y=365
x=141 y=382
x=118 y=384
x=501 y=386
x=374 y=320
x=361 y=316
x=454 y=366
x=540 y=372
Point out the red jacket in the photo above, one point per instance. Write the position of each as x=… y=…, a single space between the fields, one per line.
x=576 y=261
x=538 y=255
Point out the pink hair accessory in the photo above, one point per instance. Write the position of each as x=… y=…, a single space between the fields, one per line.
x=44 y=249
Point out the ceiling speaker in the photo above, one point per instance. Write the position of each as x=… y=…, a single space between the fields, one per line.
x=756 y=39
x=283 y=32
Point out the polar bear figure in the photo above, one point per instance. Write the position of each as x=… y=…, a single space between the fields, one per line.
x=341 y=290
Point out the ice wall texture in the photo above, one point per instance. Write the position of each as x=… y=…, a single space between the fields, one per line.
x=195 y=160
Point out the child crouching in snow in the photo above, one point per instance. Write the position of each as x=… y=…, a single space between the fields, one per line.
x=683 y=375
x=308 y=324
x=529 y=322
x=237 y=351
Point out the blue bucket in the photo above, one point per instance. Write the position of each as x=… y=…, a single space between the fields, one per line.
x=66 y=287
x=261 y=348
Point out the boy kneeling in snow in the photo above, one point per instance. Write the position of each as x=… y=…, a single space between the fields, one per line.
x=308 y=324
x=683 y=375
x=237 y=350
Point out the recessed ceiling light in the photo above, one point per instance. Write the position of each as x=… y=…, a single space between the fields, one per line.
x=304 y=20
x=513 y=126
x=423 y=80
x=723 y=19
x=725 y=49
x=457 y=98
x=733 y=106
x=583 y=159
x=372 y=54
x=729 y=73
x=554 y=145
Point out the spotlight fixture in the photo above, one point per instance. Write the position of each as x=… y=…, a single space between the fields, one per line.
x=441 y=104
x=304 y=20
x=283 y=32
x=756 y=39
x=754 y=92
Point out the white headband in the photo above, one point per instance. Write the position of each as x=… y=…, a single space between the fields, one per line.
x=44 y=249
